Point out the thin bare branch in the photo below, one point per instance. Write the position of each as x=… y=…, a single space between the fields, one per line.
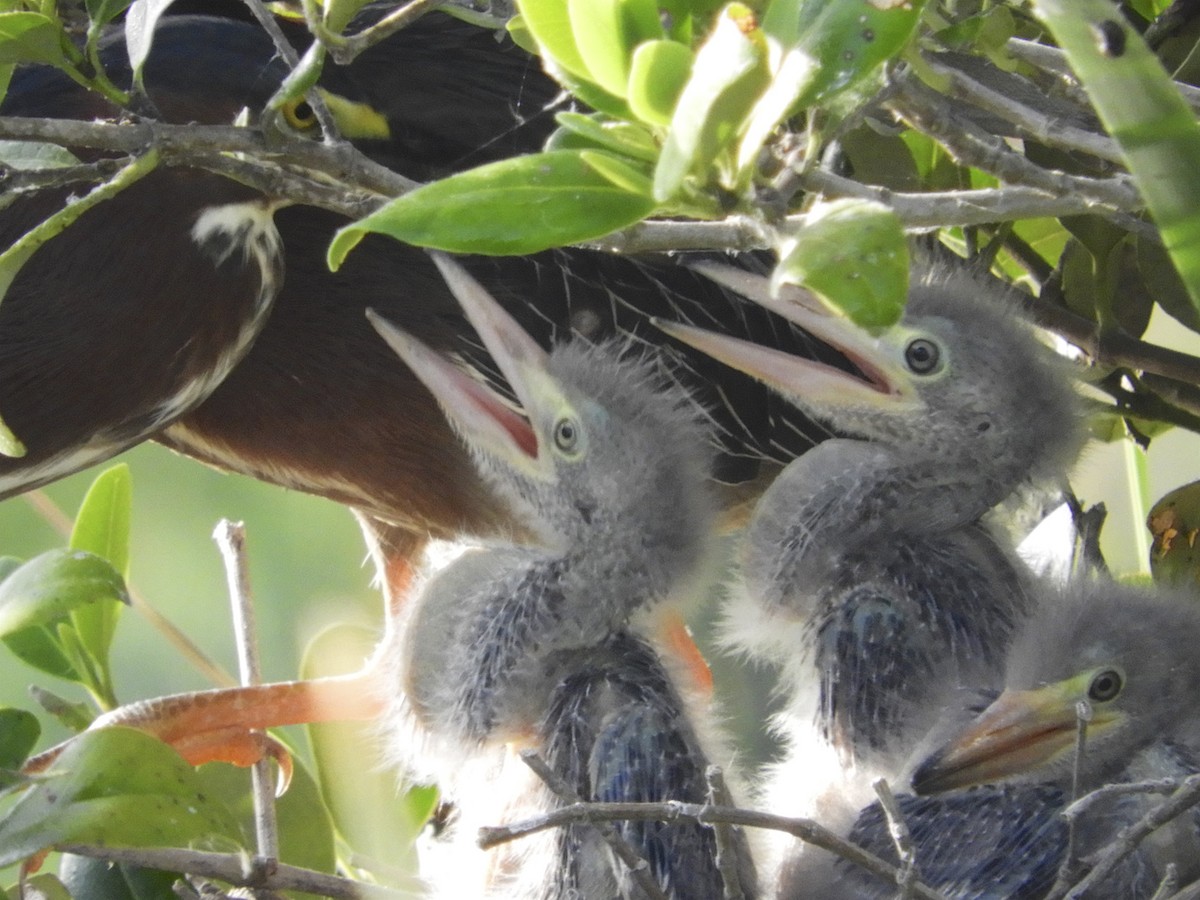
x=933 y=114
x=180 y=144
x=1042 y=126
x=936 y=209
x=231 y=868
x=639 y=869
x=1109 y=791
x=1051 y=59
x=1130 y=838
x=727 y=859
x=231 y=539
x=806 y=830
x=345 y=49
x=1169 y=884
x=907 y=877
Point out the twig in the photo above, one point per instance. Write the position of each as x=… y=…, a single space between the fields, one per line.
x=1051 y=59
x=231 y=539
x=27 y=244
x=1169 y=883
x=1112 y=348
x=1191 y=892
x=901 y=837
x=345 y=49
x=231 y=868
x=1130 y=838
x=1069 y=870
x=639 y=869
x=985 y=206
x=289 y=55
x=178 y=144
x=727 y=859
x=1043 y=127
x=932 y=114
x=806 y=830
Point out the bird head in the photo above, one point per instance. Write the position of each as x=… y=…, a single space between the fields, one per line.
x=956 y=379
x=1120 y=659
x=597 y=443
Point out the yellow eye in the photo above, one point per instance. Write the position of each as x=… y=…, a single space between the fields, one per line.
x=299 y=114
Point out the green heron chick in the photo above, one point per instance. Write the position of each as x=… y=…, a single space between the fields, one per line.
x=1121 y=658
x=868 y=573
x=545 y=643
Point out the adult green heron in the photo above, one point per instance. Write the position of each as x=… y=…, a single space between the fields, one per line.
x=1115 y=660
x=547 y=643
x=145 y=319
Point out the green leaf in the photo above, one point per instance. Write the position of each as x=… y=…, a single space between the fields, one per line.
x=340 y=13
x=1163 y=283
x=43 y=886
x=598 y=131
x=1158 y=134
x=104 y=519
x=550 y=24
x=657 y=75
x=140 y=22
x=102 y=527
x=606 y=33
x=35 y=155
x=10 y=444
x=729 y=74
x=38 y=647
x=51 y=585
x=101 y=12
x=76 y=717
x=819 y=48
x=515 y=206
x=854 y=255
x=98 y=879
x=880 y=159
x=6 y=71
x=1174 y=523
x=19 y=731
x=29 y=37
x=119 y=787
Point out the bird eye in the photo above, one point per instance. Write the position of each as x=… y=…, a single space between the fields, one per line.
x=1105 y=685
x=300 y=115
x=566 y=435
x=922 y=356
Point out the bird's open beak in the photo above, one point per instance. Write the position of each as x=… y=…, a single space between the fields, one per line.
x=1020 y=733
x=883 y=381
x=484 y=416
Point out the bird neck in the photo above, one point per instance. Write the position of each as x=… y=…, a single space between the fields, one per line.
x=635 y=565
x=846 y=495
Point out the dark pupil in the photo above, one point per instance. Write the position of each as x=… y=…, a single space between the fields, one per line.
x=1105 y=686
x=922 y=356
x=566 y=435
x=303 y=112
